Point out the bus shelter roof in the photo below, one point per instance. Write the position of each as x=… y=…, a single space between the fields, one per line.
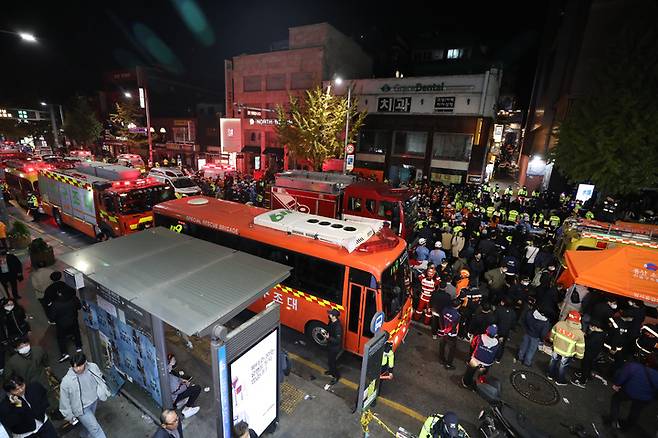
x=188 y=283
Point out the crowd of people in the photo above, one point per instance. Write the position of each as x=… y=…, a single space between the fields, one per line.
x=486 y=267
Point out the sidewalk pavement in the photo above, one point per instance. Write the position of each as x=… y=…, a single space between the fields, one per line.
x=306 y=408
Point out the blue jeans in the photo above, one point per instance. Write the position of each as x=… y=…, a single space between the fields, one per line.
x=558 y=367
x=528 y=349
x=91 y=426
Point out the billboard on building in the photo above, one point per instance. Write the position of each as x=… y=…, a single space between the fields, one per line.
x=231 y=134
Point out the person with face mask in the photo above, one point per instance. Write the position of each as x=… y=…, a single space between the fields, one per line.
x=13 y=320
x=334 y=345
x=31 y=363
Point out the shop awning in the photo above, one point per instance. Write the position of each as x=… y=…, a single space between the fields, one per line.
x=626 y=270
x=251 y=149
x=273 y=150
x=189 y=283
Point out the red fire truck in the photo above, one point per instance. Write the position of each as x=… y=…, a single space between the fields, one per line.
x=101 y=200
x=345 y=197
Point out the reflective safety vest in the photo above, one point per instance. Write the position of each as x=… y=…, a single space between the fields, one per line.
x=568 y=340
x=503 y=214
x=509 y=191
x=457 y=229
x=522 y=192
x=490 y=211
x=469 y=205
x=420 y=224
x=537 y=219
x=554 y=221
x=32 y=201
x=535 y=194
x=458 y=205
x=589 y=215
x=512 y=215
x=430 y=424
x=388 y=359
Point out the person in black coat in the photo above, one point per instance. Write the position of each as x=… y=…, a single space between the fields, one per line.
x=23 y=410
x=334 y=345
x=440 y=299
x=170 y=424
x=594 y=342
x=11 y=272
x=505 y=318
x=13 y=320
x=482 y=319
x=64 y=312
x=55 y=289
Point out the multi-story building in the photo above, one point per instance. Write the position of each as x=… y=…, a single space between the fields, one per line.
x=257 y=83
x=435 y=127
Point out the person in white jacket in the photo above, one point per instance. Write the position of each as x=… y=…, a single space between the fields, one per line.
x=79 y=392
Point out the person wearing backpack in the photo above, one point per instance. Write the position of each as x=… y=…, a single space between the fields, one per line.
x=637 y=383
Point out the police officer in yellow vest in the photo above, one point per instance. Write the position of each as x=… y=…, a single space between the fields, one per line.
x=589 y=215
x=33 y=206
x=509 y=191
x=490 y=211
x=523 y=191
x=535 y=194
x=512 y=215
x=165 y=162
x=442 y=426
x=554 y=221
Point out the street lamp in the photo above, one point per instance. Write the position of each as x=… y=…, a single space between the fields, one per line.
x=339 y=81
x=30 y=38
x=127 y=95
x=44 y=104
x=163 y=131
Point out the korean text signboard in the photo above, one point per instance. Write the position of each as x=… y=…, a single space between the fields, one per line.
x=394 y=104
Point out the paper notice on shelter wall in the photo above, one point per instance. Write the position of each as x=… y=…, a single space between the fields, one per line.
x=107 y=306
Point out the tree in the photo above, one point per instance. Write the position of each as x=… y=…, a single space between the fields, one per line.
x=610 y=136
x=125 y=115
x=81 y=125
x=314 y=128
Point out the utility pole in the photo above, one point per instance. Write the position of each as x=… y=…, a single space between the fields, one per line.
x=53 y=122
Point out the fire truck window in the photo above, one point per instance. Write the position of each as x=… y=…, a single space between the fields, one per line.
x=368 y=312
x=386 y=210
x=108 y=202
x=363 y=278
x=319 y=277
x=354 y=204
x=371 y=205
x=26 y=187
x=355 y=308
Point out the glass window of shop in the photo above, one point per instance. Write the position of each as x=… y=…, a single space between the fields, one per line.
x=374 y=141
x=409 y=143
x=453 y=147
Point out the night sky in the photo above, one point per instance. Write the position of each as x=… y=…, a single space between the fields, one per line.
x=78 y=41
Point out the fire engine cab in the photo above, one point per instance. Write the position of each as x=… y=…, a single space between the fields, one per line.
x=345 y=197
x=584 y=235
x=101 y=200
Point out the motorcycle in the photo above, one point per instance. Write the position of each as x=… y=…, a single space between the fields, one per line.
x=501 y=420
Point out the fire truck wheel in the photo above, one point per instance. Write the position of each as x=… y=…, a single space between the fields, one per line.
x=317 y=333
x=58 y=218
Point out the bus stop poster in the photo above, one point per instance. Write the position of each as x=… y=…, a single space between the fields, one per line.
x=254 y=384
x=128 y=350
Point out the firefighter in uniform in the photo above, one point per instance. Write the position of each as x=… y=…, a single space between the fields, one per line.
x=619 y=340
x=33 y=206
x=442 y=426
x=568 y=342
x=429 y=282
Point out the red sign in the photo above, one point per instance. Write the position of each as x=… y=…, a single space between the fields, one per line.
x=349 y=149
x=231 y=136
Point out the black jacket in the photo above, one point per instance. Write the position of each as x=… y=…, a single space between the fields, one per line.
x=56 y=289
x=481 y=320
x=22 y=420
x=335 y=342
x=15 y=268
x=440 y=299
x=504 y=317
x=14 y=324
x=64 y=311
x=164 y=433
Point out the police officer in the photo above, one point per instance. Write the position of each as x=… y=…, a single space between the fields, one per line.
x=388 y=362
x=442 y=426
x=33 y=206
x=334 y=345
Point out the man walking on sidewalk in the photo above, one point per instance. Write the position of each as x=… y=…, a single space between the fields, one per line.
x=448 y=333
x=334 y=345
x=79 y=392
x=11 y=272
x=40 y=279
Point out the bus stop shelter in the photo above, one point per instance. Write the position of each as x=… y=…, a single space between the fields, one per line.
x=132 y=287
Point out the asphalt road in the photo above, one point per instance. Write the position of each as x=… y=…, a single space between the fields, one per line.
x=422 y=386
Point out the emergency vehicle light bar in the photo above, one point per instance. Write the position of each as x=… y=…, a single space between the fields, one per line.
x=137 y=182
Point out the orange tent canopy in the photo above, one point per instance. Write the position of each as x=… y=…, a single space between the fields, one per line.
x=625 y=270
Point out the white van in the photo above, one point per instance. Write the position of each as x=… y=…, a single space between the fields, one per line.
x=183 y=185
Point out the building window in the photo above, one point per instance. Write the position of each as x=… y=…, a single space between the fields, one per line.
x=453 y=147
x=455 y=53
x=181 y=134
x=275 y=82
x=374 y=141
x=410 y=143
x=252 y=138
x=302 y=80
x=252 y=83
x=437 y=55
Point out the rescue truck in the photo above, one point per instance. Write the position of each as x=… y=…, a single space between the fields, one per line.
x=586 y=234
x=101 y=200
x=345 y=197
x=22 y=178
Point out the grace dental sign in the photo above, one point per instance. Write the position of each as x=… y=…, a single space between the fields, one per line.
x=414 y=88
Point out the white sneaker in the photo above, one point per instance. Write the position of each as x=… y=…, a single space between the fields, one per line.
x=182 y=403
x=78 y=350
x=190 y=411
x=63 y=358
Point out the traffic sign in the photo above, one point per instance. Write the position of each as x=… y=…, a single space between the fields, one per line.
x=349 y=162
x=377 y=322
x=349 y=148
